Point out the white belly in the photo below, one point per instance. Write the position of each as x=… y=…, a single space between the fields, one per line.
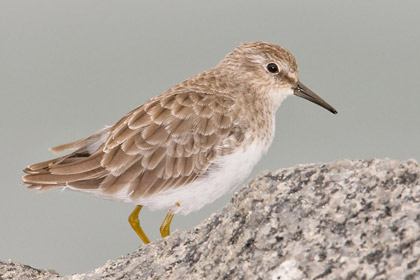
x=231 y=171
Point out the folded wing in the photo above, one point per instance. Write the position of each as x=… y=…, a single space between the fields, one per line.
x=166 y=143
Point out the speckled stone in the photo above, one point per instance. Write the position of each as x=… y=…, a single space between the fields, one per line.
x=342 y=220
x=14 y=270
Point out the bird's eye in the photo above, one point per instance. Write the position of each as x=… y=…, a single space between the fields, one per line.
x=272 y=68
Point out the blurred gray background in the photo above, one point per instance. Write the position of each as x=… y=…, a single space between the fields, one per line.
x=67 y=68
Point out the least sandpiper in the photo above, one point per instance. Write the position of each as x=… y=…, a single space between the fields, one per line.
x=187 y=146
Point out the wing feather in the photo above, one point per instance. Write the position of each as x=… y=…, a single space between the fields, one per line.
x=166 y=143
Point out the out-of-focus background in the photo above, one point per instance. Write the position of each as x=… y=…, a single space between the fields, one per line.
x=69 y=68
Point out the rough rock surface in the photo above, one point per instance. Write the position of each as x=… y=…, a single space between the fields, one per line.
x=342 y=220
x=14 y=270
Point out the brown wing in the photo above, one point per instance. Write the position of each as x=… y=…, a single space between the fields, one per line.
x=168 y=142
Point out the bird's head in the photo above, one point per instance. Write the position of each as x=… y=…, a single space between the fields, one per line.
x=270 y=70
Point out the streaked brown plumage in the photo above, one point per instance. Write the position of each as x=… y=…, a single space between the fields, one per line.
x=178 y=137
x=165 y=143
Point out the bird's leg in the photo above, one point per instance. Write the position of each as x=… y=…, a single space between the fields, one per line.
x=165 y=227
x=133 y=219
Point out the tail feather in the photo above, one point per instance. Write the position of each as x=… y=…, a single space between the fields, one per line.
x=48 y=178
x=88 y=144
x=66 y=147
x=78 y=165
x=43 y=188
x=36 y=167
x=81 y=167
x=91 y=184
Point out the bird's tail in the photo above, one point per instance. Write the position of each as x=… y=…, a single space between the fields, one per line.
x=83 y=164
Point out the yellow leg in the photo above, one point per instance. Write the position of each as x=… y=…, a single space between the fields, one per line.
x=133 y=219
x=165 y=227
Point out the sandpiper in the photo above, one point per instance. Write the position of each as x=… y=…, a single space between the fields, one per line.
x=187 y=146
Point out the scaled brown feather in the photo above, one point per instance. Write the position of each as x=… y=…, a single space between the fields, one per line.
x=166 y=143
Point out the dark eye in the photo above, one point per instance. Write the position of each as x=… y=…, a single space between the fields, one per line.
x=272 y=68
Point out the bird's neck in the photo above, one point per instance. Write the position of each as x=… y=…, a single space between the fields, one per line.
x=257 y=114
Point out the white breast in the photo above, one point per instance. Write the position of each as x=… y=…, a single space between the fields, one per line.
x=231 y=170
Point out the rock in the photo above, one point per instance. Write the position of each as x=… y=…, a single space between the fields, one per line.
x=342 y=220
x=14 y=270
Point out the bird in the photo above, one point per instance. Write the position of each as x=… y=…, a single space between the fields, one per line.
x=187 y=146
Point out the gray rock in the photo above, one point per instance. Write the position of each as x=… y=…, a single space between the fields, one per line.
x=342 y=220
x=14 y=270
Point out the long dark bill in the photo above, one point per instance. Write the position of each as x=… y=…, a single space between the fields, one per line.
x=302 y=91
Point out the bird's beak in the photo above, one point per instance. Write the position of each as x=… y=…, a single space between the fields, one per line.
x=302 y=91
